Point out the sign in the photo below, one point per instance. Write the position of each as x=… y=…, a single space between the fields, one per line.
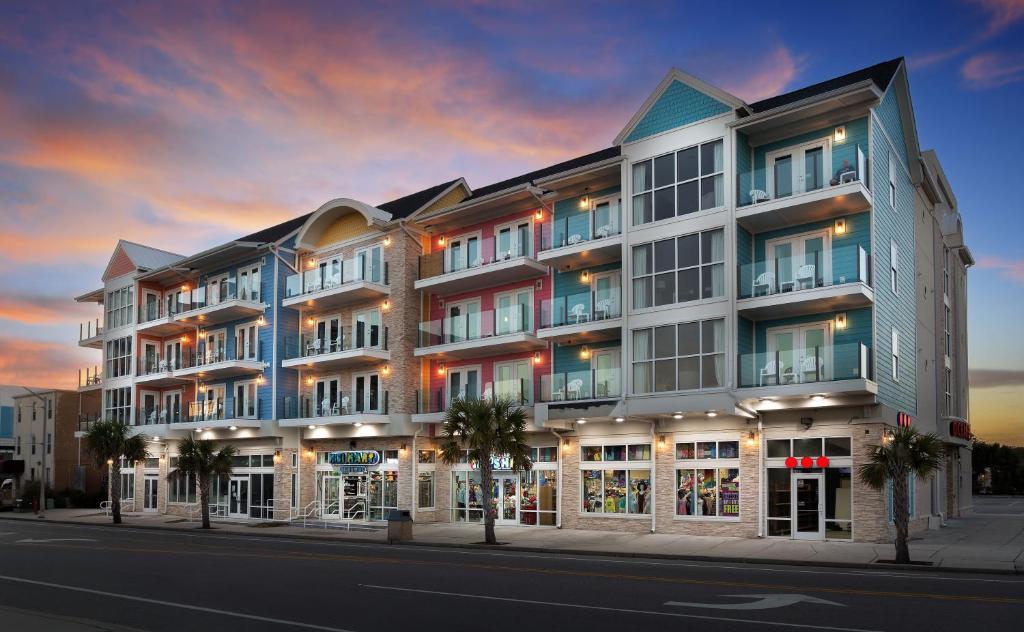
x=354 y=457
x=960 y=430
x=904 y=420
x=350 y=469
x=498 y=462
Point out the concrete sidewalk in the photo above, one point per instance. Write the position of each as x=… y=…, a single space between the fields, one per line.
x=991 y=540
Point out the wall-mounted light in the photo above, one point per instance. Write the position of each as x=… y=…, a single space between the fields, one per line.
x=310 y=321
x=440 y=368
x=386 y=370
x=566 y=445
x=310 y=263
x=539 y=214
x=184 y=288
x=584 y=352
x=309 y=381
x=261 y=321
x=585 y=277
x=841 y=321
x=661 y=442
x=310 y=453
x=387 y=240
x=584 y=201
x=260 y=379
x=440 y=241
x=841 y=226
x=386 y=305
x=184 y=338
x=403 y=448
x=751 y=441
x=840 y=134
x=712 y=413
x=537 y=357
x=277 y=456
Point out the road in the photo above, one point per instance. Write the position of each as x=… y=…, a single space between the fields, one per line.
x=173 y=581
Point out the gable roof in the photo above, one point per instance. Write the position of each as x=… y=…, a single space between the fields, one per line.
x=146 y=256
x=881 y=74
x=405 y=206
x=568 y=165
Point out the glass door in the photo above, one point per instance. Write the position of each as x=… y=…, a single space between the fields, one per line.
x=149 y=408
x=238 y=497
x=214 y=347
x=505 y=498
x=150 y=498
x=455 y=255
x=798 y=169
x=366 y=392
x=353 y=496
x=326 y=398
x=330 y=494
x=246 y=344
x=799 y=263
x=369 y=266
x=605 y=366
x=807 y=505
x=512 y=380
x=605 y=287
x=606 y=218
x=367 y=329
x=513 y=311
x=245 y=400
x=172 y=408
x=328 y=334
x=172 y=355
x=463 y=383
x=463 y=321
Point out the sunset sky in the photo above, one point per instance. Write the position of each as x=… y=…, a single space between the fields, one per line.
x=182 y=125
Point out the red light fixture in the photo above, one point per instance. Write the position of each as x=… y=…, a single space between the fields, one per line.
x=791 y=462
x=822 y=461
x=806 y=461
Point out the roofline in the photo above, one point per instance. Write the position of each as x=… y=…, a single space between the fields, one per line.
x=675 y=74
x=412 y=216
x=805 y=103
x=135 y=243
x=201 y=255
x=93 y=296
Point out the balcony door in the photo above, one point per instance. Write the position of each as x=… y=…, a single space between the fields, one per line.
x=604 y=363
x=245 y=400
x=463 y=252
x=328 y=332
x=149 y=410
x=217 y=290
x=172 y=408
x=463 y=383
x=366 y=392
x=249 y=284
x=799 y=169
x=172 y=355
x=606 y=217
x=327 y=398
x=247 y=342
x=513 y=240
x=462 y=321
x=800 y=262
x=513 y=311
x=366 y=324
x=152 y=306
x=213 y=347
x=369 y=264
x=513 y=380
x=150 y=358
x=605 y=286
x=212 y=405
x=804 y=353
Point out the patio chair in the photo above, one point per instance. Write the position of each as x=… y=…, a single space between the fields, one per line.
x=344 y=405
x=575 y=238
x=604 y=306
x=603 y=231
x=810 y=369
x=574 y=388
x=847 y=177
x=770 y=370
x=488 y=392
x=578 y=313
x=765 y=280
x=805 y=273
x=757 y=195
x=313 y=347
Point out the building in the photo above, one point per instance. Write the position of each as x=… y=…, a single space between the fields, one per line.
x=7 y=394
x=708 y=323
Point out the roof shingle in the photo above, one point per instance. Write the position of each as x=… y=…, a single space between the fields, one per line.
x=881 y=74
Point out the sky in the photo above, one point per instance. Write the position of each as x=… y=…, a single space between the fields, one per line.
x=182 y=125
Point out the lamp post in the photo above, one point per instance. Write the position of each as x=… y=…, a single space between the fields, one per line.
x=42 y=458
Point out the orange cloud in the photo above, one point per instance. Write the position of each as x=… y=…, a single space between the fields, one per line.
x=1010 y=269
x=771 y=75
x=41 y=309
x=40 y=364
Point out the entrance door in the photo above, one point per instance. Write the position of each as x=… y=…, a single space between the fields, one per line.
x=798 y=169
x=505 y=498
x=353 y=497
x=807 y=507
x=330 y=495
x=238 y=497
x=512 y=312
x=150 y=493
x=804 y=353
x=172 y=408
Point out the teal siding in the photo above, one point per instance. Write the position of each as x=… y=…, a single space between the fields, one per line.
x=569 y=283
x=287 y=380
x=567 y=357
x=744 y=168
x=744 y=257
x=744 y=347
x=570 y=219
x=844 y=247
x=889 y=113
x=856 y=136
x=678 y=105
x=570 y=207
x=894 y=310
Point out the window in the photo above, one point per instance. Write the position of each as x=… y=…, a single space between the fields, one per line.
x=247 y=342
x=945 y=272
x=678 y=270
x=249 y=284
x=426 y=456
x=679 y=183
x=679 y=357
x=892 y=183
x=949 y=392
x=547 y=454
x=181 y=488
x=894 y=259
x=119 y=307
x=117 y=404
x=425 y=490
x=119 y=357
x=49 y=409
x=948 y=331
x=128 y=484
x=245 y=400
x=895 y=355
x=49 y=443
x=624 y=486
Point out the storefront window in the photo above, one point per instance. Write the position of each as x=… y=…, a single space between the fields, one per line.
x=685 y=451
x=467 y=497
x=708 y=479
x=591 y=453
x=807 y=447
x=617 y=491
x=779 y=508
x=838 y=503
x=837 y=446
x=547 y=454
x=729 y=492
x=640 y=452
x=383 y=492
x=425 y=490
x=615 y=453
x=777 y=448
x=538 y=497
x=706 y=450
x=425 y=456
x=391 y=457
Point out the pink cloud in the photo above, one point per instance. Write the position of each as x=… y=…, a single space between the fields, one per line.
x=40 y=364
x=1008 y=268
x=992 y=70
x=1001 y=14
x=771 y=76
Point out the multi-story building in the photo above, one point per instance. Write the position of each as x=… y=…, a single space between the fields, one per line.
x=708 y=324
x=45 y=427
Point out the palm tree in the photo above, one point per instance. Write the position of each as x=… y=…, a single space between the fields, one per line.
x=199 y=459
x=902 y=453
x=108 y=441
x=486 y=428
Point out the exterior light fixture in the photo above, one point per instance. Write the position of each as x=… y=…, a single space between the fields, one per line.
x=585 y=277
x=677 y=415
x=584 y=352
x=310 y=263
x=584 y=201
x=309 y=381
x=387 y=240
x=156 y=439
x=537 y=357
x=750 y=439
x=386 y=305
x=440 y=368
x=233 y=428
x=817 y=398
x=110 y=461
x=840 y=134
x=841 y=321
x=840 y=226
x=440 y=241
x=261 y=321
x=358 y=424
x=312 y=426
x=661 y=442
x=184 y=288
x=539 y=214
x=277 y=456
x=199 y=430
x=581 y=421
x=386 y=369
x=619 y=420
x=712 y=413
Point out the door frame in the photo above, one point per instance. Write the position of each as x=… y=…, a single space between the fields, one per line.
x=800 y=239
x=238 y=479
x=820 y=478
x=499 y=479
x=798 y=152
x=150 y=481
x=799 y=346
x=463 y=370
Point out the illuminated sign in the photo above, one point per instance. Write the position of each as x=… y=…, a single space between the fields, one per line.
x=354 y=457
x=960 y=430
x=498 y=462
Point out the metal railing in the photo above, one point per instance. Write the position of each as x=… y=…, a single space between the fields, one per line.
x=470 y=252
x=820 y=363
x=580 y=227
x=90 y=329
x=753 y=187
x=584 y=385
x=89 y=377
x=581 y=307
x=489 y=323
x=309 y=345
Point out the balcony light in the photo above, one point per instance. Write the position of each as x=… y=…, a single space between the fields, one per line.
x=840 y=134
x=840 y=321
x=233 y=428
x=677 y=415
x=840 y=228
x=619 y=420
x=312 y=426
x=817 y=398
x=539 y=214
x=712 y=413
x=358 y=424
x=387 y=240
x=581 y=421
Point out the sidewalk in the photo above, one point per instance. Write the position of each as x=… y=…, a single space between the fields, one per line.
x=992 y=540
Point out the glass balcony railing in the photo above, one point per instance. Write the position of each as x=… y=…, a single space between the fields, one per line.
x=580 y=227
x=476 y=326
x=581 y=385
x=90 y=329
x=468 y=253
x=335 y=274
x=754 y=190
x=315 y=344
x=815 y=269
x=584 y=307
x=206 y=410
x=89 y=377
x=154 y=415
x=342 y=403
x=191 y=358
x=85 y=422
x=825 y=363
x=438 y=400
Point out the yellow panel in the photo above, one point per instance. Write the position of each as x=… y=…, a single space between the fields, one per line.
x=451 y=198
x=344 y=228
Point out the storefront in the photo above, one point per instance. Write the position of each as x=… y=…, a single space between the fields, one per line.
x=615 y=477
x=809 y=491
x=707 y=477
x=357 y=484
x=519 y=498
x=248 y=491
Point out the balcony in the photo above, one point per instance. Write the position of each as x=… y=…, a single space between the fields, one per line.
x=816 y=282
x=581 y=240
x=584 y=317
x=216 y=364
x=341 y=352
x=229 y=303
x=788 y=205
x=808 y=372
x=159 y=319
x=210 y=414
x=581 y=387
x=336 y=284
x=431 y=404
x=472 y=264
x=343 y=408
x=158 y=416
x=157 y=371
x=85 y=424
x=90 y=334
x=479 y=334
x=89 y=379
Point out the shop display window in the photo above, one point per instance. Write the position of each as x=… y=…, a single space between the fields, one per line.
x=779 y=502
x=616 y=491
x=426 y=456
x=547 y=454
x=425 y=490
x=838 y=503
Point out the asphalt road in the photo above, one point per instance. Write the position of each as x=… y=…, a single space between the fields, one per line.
x=156 y=580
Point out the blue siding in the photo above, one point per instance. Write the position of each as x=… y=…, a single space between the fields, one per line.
x=856 y=136
x=570 y=207
x=844 y=247
x=678 y=105
x=744 y=168
x=744 y=257
x=744 y=347
x=889 y=113
x=568 y=283
x=287 y=324
x=894 y=310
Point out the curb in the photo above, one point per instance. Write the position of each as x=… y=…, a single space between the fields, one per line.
x=557 y=551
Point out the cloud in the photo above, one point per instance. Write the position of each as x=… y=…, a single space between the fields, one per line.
x=994 y=378
x=1008 y=268
x=771 y=76
x=39 y=309
x=1000 y=15
x=992 y=70
x=41 y=364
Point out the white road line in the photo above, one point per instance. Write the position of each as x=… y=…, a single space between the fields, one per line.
x=581 y=606
x=172 y=604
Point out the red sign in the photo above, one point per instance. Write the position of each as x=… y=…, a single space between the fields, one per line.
x=904 y=420
x=960 y=430
x=822 y=461
x=791 y=462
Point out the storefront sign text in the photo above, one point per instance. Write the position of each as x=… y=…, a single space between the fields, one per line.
x=354 y=457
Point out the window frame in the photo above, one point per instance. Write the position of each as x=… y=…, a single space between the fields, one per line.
x=652 y=273
x=626 y=465
x=895 y=355
x=676 y=183
x=654 y=358
x=894 y=266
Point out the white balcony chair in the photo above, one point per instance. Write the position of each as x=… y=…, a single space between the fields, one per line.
x=574 y=239
x=163 y=416
x=344 y=405
x=805 y=273
x=757 y=195
x=461 y=394
x=847 y=177
x=809 y=369
x=769 y=371
x=313 y=347
x=765 y=280
x=325 y=407
x=574 y=388
x=164 y=366
x=578 y=313
x=479 y=261
x=603 y=231
x=488 y=393
x=605 y=307
x=151 y=417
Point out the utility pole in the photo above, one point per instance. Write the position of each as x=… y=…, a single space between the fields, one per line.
x=42 y=466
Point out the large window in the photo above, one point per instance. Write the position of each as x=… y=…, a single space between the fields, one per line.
x=894 y=266
x=895 y=355
x=425 y=490
x=948 y=331
x=679 y=183
x=708 y=478
x=119 y=307
x=679 y=357
x=117 y=404
x=949 y=392
x=623 y=485
x=181 y=488
x=119 y=357
x=678 y=270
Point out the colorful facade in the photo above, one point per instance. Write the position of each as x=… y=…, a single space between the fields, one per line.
x=708 y=324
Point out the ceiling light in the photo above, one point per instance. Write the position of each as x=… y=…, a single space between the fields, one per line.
x=581 y=420
x=677 y=415
x=619 y=420
x=233 y=428
x=817 y=398
x=712 y=413
x=312 y=427
x=358 y=424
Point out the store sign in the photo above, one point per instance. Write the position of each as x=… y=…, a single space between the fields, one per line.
x=960 y=430
x=904 y=420
x=498 y=462
x=354 y=457
x=806 y=462
x=351 y=469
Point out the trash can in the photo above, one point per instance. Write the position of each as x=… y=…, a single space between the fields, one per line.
x=399 y=526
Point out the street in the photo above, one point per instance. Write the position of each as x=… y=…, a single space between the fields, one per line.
x=162 y=580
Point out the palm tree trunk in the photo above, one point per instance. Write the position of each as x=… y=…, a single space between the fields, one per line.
x=115 y=490
x=901 y=518
x=486 y=481
x=204 y=500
